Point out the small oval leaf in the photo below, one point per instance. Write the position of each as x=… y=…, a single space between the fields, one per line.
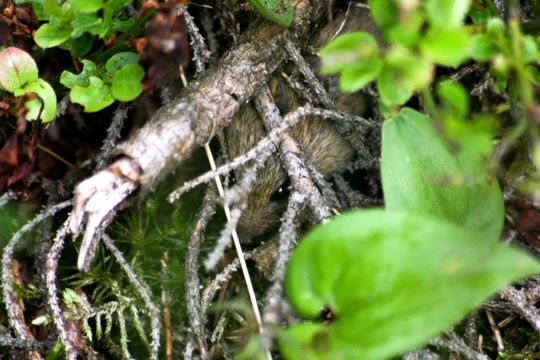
x=94 y=97
x=119 y=60
x=126 y=83
x=49 y=35
x=47 y=95
x=17 y=68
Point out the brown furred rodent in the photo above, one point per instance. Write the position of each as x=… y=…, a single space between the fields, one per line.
x=320 y=141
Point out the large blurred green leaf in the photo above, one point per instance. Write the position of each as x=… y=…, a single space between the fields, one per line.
x=392 y=280
x=421 y=175
x=447 y=14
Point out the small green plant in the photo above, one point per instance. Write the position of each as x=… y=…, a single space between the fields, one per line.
x=19 y=76
x=98 y=87
x=420 y=37
x=75 y=24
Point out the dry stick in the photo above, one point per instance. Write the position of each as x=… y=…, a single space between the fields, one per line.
x=247 y=182
x=144 y=293
x=191 y=120
x=193 y=295
x=303 y=191
x=113 y=135
x=200 y=51
x=496 y=331
x=7 y=197
x=287 y=240
x=305 y=69
x=166 y=305
x=51 y=265
x=527 y=310
x=267 y=144
x=21 y=329
x=28 y=345
x=211 y=289
x=237 y=197
x=455 y=344
x=349 y=126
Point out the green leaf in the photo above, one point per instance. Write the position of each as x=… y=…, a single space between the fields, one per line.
x=34 y=106
x=454 y=97
x=41 y=320
x=17 y=68
x=533 y=74
x=355 y=77
x=391 y=90
x=90 y=23
x=117 y=5
x=447 y=48
x=420 y=175
x=48 y=35
x=123 y=25
x=530 y=49
x=126 y=82
x=52 y=7
x=346 y=50
x=80 y=46
x=481 y=48
x=392 y=281
x=385 y=13
x=94 y=97
x=119 y=60
x=447 y=14
x=69 y=79
x=86 y=6
x=402 y=75
x=278 y=11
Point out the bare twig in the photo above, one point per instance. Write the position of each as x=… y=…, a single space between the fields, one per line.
x=193 y=295
x=113 y=135
x=225 y=275
x=7 y=197
x=21 y=329
x=166 y=305
x=527 y=310
x=28 y=345
x=239 y=195
x=496 y=332
x=247 y=182
x=201 y=54
x=54 y=303
x=457 y=345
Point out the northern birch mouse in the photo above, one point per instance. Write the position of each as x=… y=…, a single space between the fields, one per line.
x=319 y=139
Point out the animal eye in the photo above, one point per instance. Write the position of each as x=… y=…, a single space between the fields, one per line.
x=282 y=192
